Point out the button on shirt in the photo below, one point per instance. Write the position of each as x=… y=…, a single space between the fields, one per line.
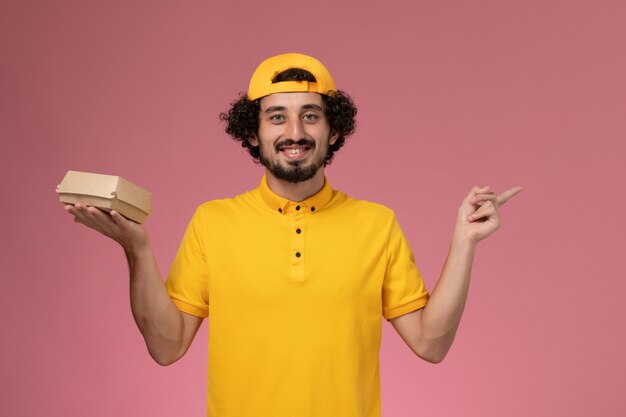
x=295 y=293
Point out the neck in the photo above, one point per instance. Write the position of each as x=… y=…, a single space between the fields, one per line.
x=296 y=191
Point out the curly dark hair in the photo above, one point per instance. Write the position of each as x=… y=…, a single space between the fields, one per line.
x=243 y=117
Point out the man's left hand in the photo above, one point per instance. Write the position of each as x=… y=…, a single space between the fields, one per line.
x=478 y=215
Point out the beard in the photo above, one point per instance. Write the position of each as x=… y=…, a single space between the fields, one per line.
x=292 y=171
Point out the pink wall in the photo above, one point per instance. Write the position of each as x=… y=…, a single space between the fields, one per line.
x=451 y=94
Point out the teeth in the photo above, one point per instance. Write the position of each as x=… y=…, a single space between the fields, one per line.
x=293 y=151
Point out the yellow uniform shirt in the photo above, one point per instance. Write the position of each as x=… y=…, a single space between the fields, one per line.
x=294 y=293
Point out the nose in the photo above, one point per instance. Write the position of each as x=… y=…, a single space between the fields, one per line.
x=295 y=128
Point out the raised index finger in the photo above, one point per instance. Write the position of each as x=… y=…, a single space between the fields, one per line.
x=505 y=196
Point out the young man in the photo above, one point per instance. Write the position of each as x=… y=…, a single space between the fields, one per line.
x=294 y=276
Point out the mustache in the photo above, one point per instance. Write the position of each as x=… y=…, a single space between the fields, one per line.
x=290 y=142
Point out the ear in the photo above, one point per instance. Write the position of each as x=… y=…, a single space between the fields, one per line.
x=253 y=140
x=333 y=137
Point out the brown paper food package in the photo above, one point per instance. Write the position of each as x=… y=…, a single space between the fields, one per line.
x=106 y=192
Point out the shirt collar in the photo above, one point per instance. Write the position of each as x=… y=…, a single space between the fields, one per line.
x=312 y=204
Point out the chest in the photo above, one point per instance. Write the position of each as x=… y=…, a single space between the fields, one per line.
x=336 y=263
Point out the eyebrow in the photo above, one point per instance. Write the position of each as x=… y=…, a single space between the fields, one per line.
x=274 y=108
x=311 y=106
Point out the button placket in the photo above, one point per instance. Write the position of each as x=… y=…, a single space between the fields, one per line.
x=298 y=255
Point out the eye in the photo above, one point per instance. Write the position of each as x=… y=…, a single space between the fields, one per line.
x=310 y=117
x=277 y=118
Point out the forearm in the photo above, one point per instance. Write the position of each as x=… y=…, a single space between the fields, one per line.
x=442 y=314
x=158 y=319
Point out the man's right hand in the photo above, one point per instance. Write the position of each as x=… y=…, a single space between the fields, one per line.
x=126 y=232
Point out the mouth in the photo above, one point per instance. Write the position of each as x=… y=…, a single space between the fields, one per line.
x=295 y=151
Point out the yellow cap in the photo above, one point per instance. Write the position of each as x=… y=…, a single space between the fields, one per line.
x=261 y=82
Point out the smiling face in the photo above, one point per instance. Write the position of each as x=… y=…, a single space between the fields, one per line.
x=293 y=136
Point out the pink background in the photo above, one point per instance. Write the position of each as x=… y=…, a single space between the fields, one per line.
x=451 y=94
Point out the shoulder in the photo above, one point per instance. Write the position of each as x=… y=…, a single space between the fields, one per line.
x=347 y=201
x=363 y=209
x=228 y=207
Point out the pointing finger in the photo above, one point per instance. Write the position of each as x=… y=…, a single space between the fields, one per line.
x=505 y=196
